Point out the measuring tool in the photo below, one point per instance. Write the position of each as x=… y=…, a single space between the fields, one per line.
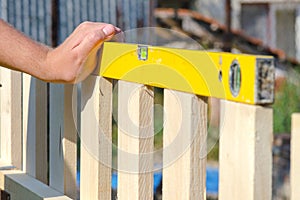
x=235 y=77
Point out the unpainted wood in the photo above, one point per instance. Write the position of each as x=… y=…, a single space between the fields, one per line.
x=29 y=124
x=63 y=139
x=34 y=129
x=295 y=159
x=56 y=134
x=105 y=138
x=41 y=143
x=184 y=146
x=135 y=141
x=22 y=186
x=70 y=141
x=11 y=117
x=245 y=160
x=96 y=116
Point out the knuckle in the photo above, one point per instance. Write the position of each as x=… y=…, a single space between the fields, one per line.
x=84 y=25
x=70 y=77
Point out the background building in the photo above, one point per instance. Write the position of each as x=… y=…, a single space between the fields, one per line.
x=275 y=22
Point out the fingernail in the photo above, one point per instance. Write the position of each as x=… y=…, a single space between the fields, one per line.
x=108 y=30
x=118 y=30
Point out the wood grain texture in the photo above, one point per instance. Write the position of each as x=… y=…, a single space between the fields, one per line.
x=29 y=124
x=63 y=140
x=96 y=116
x=135 y=141
x=89 y=180
x=41 y=143
x=22 y=186
x=56 y=134
x=105 y=138
x=35 y=132
x=245 y=152
x=295 y=159
x=16 y=119
x=184 y=142
x=70 y=142
x=11 y=117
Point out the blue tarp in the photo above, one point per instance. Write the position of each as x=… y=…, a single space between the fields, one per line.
x=212 y=180
x=157 y=180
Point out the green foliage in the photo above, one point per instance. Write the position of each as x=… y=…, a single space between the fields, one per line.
x=213 y=143
x=213 y=153
x=158 y=118
x=286 y=103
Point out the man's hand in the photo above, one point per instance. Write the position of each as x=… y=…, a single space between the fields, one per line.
x=64 y=64
x=67 y=61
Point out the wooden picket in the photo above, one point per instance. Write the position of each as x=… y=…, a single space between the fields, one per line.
x=96 y=150
x=245 y=152
x=135 y=141
x=184 y=153
x=11 y=117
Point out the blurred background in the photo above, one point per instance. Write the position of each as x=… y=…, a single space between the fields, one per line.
x=267 y=27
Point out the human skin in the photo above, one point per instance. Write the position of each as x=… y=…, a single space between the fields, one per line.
x=64 y=64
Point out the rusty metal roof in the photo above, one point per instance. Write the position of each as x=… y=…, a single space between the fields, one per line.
x=210 y=33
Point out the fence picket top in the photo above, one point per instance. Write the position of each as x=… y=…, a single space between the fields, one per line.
x=245 y=143
x=96 y=141
x=135 y=141
x=184 y=146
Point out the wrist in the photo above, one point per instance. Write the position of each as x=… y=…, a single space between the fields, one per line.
x=46 y=66
x=60 y=66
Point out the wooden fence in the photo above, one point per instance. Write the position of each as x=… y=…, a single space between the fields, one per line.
x=26 y=173
x=38 y=133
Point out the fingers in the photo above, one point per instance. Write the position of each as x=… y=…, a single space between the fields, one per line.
x=85 y=29
x=95 y=37
x=74 y=51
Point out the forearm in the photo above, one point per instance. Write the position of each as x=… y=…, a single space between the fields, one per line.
x=19 y=52
x=64 y=64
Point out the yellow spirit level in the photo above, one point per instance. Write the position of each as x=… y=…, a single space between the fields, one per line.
x=236 y=77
